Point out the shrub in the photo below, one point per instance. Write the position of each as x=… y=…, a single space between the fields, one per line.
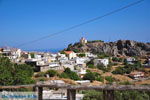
x=95 y=41
x=117 y=59
x=110 y=79
x=103 y=55
x=91 y=66
x=100 y=78
x=89 y=76
x=32 y=55
x=93 y=95
x=63 y=75
x=76 y=50
x=125 y=83
x=103 y=68
x=119 y=70
x=14 y=74
x=42 y=79
x=90 y=62
x=52 y=73
x=131 y=95
x=69 y=74
x=40 y=74
x=81 y=55
x=93 y=76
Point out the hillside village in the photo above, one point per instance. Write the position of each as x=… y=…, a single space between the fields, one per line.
x=81 y=63
x=84 y=68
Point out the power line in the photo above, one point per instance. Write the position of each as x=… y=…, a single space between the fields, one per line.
x=78 y=25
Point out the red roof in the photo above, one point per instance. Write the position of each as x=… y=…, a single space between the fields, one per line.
x=68 y=52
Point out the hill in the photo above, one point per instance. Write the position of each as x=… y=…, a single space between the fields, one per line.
x=117 y=48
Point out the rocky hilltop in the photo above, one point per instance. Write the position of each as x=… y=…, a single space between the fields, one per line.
x=120 y=47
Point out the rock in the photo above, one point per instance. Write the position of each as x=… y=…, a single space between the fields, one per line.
x=120 y=47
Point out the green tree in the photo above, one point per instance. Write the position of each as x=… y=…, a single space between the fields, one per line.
x=90 y=62
x=103 y=55
x=40 y=74
x=52 y=73
x=93 y=95
x=81 y=55
x=32 y=55
x=67 y=71
x=14 y=74
x=91 y=66
x=93 y=76
x=131 y=95
x=63 y=75
x=69 y=74
x=76 y=50
x=104 y=68
x=117 y=59
x=110 y=79
x=22 y=74
x=119 y=70
x=89 y=76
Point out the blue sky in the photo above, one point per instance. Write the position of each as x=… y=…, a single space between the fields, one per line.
x=25 y=20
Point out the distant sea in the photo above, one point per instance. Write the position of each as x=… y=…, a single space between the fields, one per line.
x=45 y=50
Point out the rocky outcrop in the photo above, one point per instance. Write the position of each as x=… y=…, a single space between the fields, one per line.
x=120 y=47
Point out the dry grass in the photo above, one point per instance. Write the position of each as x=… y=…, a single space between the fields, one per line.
x=143 y=82
x=68 y=81
x=121 y=78
x=95 y=70
x=117 y=77
x=96 y=83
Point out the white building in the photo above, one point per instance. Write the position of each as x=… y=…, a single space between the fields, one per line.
x=40 y=62
x=71 y=66
x=131 y=60
x=80 y=60
x=54 y=64
x=53 y=55
x=136 y=75
x=105 y=62
x=37 y=56
x=83 y=40
x=16 y=53
x=53 y=59
x=70 y=54
x=90 y=55
x=61 y=55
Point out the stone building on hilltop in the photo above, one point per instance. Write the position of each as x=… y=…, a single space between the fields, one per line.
x=83 y=40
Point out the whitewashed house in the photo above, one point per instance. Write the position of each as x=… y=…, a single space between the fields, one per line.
x=16 y=52
x=79 y=60
x=53 y=55
x=55 y=66
x=105 y=62
x=131 y=60
x=53 y=59
x=70 y=54
x=67 y=65
x=38 y=57
x=90 y=55
x=62 y=60
x=61 y=55
x=136 y=75
x=40 y=62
